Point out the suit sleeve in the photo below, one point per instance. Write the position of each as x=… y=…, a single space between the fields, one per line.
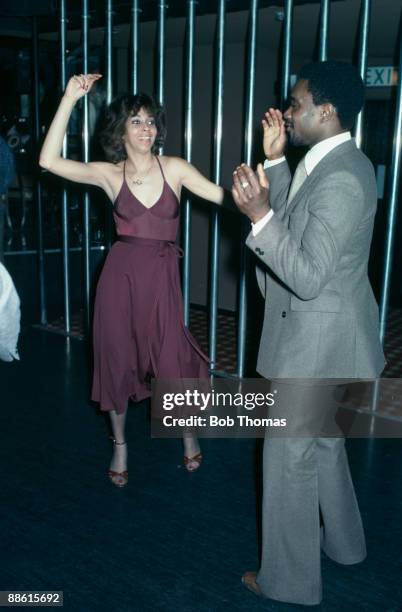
x=335 y=210
x=279 y=178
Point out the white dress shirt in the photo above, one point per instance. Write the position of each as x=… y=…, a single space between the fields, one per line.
x=312 y=158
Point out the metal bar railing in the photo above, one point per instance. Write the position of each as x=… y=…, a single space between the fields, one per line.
x=64 y=205
x=362 y=61
x=134 y=45
x=248 y=149
x=286 y=52
x=109 y=96
x=160 y=63
x=38 y=188
x=217 y=170
x=85 y=150
x=394 y=181
x=188 y=142
x=324 y=30
x=109 y=50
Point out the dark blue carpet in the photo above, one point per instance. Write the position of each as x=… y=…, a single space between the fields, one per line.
x=170 y=541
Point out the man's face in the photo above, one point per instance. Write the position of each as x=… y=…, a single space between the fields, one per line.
x=303 y=119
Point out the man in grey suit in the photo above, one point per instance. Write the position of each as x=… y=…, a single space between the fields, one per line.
x=312 y=238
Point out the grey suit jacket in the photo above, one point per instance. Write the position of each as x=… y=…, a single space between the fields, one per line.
x=321 y=317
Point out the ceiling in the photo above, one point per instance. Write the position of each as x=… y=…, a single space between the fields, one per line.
x=344 y=23
x=15 y=16
x=148 y=7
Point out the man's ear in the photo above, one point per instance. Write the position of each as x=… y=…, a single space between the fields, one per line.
x=328 y=112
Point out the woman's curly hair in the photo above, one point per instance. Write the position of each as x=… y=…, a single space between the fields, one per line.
x=116 y=115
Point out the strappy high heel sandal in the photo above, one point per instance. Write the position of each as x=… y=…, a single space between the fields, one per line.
x=192 y=463
x=119 y=479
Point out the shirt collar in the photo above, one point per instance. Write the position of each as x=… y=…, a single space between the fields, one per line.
x=321 y=149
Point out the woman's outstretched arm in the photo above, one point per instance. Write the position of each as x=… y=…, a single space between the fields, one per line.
x=196 y=182
x=50 y=155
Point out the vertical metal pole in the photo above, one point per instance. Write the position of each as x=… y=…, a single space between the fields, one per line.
x=160 y=84
x=395 y=172
x=85 y=149
x=64 y=210
x=324 y=23
x=38 y=189
x=109 y=96
x=134 y=46
x=109 y=51
x=188 y=141
x=362 y=65
x=248 y=147
x=215 y=215
x=286 y=52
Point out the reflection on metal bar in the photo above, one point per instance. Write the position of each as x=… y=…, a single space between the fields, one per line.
x=47 y=251
x=109 y=97
x=160 y=64
x=363 y=45
x=324 y=23
x=215 y=215
x=395 y=173
x=188 y=141
x=64 y=210
x=38 y=190
x=109 y=51
x=286 y=51
x=135 y=11
x=85 y=149
x=248 y=147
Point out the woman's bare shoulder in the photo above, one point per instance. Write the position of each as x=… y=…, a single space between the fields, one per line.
x=172 y=164
x=171 y=159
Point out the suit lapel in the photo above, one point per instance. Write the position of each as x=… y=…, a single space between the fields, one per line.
x=300 y=194
x=321 y=168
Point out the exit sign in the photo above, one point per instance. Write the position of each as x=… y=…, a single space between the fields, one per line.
x=381 y=76
x=376 y=76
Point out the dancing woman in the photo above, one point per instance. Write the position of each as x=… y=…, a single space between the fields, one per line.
x=139 y=331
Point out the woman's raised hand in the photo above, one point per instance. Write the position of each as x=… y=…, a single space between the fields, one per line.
x=80 y=84
x=275 y=139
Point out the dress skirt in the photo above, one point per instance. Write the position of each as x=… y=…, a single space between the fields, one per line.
x=138 y=328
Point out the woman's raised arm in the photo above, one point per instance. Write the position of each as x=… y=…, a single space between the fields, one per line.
x=50 y=155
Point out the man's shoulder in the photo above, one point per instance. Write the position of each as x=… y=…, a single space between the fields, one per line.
x=350 y=155
x=349 y=161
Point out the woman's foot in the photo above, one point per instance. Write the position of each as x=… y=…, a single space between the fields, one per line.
x=192 y=454
x=118 y=473
x=192 y=463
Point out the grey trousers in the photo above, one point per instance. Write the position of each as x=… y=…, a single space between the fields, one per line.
x=306 y=479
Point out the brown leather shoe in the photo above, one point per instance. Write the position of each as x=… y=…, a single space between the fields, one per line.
x=249 y=579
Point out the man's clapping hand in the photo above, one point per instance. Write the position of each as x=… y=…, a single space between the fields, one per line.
x=250 y=192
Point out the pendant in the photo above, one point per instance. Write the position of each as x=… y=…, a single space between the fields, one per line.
x=137 y=181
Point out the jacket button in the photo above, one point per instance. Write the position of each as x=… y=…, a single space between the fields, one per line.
x=283 y=314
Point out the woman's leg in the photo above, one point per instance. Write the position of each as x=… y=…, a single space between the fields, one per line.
x=119 y=458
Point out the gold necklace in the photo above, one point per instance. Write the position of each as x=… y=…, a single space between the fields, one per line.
x=140 y=180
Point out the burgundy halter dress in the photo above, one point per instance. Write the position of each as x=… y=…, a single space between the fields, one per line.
x=138 y=329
